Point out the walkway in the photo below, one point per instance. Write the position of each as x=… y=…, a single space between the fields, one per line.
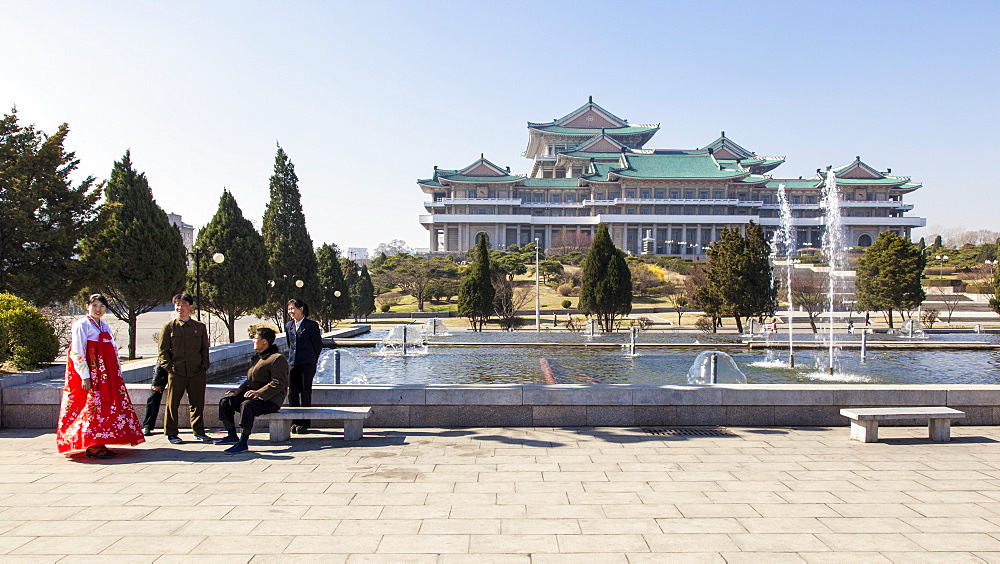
x=511 y=495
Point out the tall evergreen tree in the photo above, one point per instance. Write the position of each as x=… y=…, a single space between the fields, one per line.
x=290 y=254
x=606 y=286
x=238 y=285
x=475 y=295
x=43 y=215
x=331 y=278
x=363 y=294
x=888 y=276
x=351 y=271
x=137 y=260
x=739 y=274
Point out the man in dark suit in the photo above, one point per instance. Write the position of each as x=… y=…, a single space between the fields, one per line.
x=305 y=343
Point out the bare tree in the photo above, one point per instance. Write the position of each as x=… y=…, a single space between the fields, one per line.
x=568 y=242
x=949 y=298
x=809 y=292
x=508 y=299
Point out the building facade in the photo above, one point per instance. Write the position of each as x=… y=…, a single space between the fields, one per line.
x=592 y=167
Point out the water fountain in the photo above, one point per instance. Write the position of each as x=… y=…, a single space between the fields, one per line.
x=338 y=366
x=403 y=340
x=715 y=367
x=435 y=328
x=911 y=329
x=833 y=243
x=786 y=236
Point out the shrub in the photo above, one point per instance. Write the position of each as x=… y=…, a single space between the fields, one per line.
x=929 y=317
x=705 y=324
x=384 y=308
x=26 y=337
x=567 y=304
x=565 y=289
x=979 y=289
x=940 y=282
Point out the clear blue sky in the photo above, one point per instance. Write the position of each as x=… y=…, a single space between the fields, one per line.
x=366 y=97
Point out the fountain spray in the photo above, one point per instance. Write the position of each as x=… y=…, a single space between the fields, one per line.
x=786 y=235
x=833 y=240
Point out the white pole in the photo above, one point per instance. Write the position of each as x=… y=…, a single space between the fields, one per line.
x=538 y=306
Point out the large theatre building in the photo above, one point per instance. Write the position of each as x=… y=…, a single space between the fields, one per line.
x=591 y=167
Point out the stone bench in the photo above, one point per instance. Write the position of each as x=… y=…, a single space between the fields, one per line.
x=280 y=422
x=864 y=420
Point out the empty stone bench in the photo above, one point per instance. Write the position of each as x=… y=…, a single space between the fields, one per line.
x=280 y=422
x=864 y=420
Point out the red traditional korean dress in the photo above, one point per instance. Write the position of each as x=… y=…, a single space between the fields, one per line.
x=104 y=415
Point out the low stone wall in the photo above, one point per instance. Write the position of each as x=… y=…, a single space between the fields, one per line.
x=443 y=406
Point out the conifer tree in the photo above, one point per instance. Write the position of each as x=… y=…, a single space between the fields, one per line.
x=290 y=253
x=888 y=276
x=331 y=307
x=137 y=260
x=43 y=215
x=739 y=274
x=363 y=294
x=606 y=286
x=235 y=287
x=476 y=293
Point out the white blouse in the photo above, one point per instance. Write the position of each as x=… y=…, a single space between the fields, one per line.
x=84 y=330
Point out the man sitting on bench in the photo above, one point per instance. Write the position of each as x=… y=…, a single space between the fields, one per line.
x=263 y=391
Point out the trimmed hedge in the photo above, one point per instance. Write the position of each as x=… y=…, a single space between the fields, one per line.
x=941 y=282
x=979 y=289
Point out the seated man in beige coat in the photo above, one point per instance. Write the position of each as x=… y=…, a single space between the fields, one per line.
x=263 y=392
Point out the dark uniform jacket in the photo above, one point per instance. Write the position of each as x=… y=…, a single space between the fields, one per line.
x=184 y=348
x=304 y=345
x=268 y=373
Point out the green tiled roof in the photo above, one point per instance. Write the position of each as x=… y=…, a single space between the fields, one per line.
x=793 y=183
x=675 y=166
x=551 y=182
x=601 y=172
x=590 y=131
x=755 y=179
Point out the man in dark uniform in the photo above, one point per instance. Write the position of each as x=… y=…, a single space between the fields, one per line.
x=184 y=355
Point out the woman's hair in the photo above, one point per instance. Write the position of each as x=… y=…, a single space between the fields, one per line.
x=97 y=298
x=299 y=304
x=267 y=334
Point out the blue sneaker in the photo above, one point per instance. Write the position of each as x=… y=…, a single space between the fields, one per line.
x=237 y=448
x=227 y=441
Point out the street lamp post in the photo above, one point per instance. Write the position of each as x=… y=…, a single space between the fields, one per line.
x=285 y=280
x=538 y=307
x=943 y=259
x=197 y=252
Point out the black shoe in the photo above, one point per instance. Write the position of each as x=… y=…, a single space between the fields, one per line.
x=175 y=440
x=227 y=440
x=100 y=453
x=236 y=448
x=203 y=438
x=148 y=431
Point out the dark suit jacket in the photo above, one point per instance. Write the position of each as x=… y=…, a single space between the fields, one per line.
x=304 y=345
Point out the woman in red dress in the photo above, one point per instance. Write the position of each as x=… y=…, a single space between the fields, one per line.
x=96 y=410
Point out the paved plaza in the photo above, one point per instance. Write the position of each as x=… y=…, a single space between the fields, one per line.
x=511 y=495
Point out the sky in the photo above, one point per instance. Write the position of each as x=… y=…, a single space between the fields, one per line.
x=367 y=97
